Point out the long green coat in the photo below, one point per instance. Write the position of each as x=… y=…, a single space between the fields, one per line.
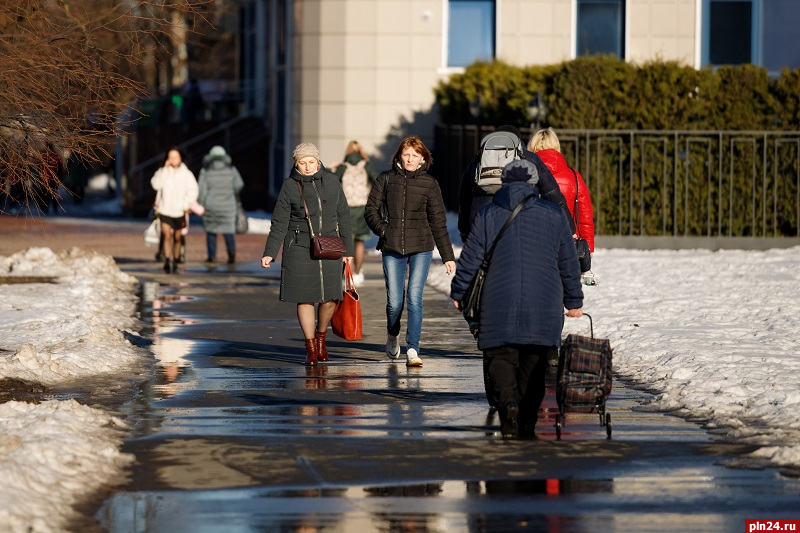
x=220 y=184
x=304 y=279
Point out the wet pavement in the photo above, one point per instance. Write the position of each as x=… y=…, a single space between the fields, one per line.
x=234 y=434
x=237 y=435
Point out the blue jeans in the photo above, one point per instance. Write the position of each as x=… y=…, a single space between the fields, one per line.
x=394 y=273
x=211 y=244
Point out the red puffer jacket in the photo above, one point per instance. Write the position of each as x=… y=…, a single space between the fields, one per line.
x=566 y=182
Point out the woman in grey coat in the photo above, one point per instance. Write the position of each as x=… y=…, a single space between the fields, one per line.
x=305 y=280
x=220 y=184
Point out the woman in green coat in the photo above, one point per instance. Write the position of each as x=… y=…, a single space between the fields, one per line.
x=307 y=281
x=220 y=184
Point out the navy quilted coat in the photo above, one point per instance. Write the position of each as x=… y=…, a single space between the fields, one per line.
x=534 y=273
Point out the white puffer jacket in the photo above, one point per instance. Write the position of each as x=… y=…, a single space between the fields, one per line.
x=176 y=190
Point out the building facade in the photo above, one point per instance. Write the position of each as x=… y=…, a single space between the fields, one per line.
x=330 y=71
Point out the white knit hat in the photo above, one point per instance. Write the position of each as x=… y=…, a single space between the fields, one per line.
x=305 y=150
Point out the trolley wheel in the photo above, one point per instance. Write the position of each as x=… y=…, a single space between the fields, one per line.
x=559 y=425
x=608 y=425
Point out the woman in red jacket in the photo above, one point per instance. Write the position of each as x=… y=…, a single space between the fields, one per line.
x=544 y=143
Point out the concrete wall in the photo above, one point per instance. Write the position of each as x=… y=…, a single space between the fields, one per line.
x=366 y=69
x=661 y=29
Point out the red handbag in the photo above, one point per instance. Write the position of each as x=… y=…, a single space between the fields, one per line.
x=346 y=321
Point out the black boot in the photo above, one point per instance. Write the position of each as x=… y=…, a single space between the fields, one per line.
x=509 y=426
x=168 y=266
x=231 y=259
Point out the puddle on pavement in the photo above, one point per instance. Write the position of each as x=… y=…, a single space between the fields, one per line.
x=544 y=505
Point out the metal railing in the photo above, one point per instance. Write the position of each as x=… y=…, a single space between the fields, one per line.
x=669 y=183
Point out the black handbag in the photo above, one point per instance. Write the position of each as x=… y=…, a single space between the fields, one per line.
x=581 y=244
x=322 y=247
x=241 y=218
x=471 y=301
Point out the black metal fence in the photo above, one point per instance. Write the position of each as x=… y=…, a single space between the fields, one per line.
x=671 y=183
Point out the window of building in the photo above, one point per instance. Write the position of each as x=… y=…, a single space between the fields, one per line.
x=601 y=27
x=779 y=35
x=730 y=32
x=471 y=32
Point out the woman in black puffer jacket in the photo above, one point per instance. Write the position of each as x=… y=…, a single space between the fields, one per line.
x=413 y=221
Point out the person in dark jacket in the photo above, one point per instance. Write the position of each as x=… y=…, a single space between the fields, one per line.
x=357 y=176
x=416 y=219
x=305 y=280
x=220 y=184
x=472 y=199
x=534 y=274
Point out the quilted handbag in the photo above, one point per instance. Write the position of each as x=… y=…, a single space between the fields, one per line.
x=323 y=247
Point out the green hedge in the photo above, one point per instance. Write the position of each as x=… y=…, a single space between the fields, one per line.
x=603 y=92
x=664 y=182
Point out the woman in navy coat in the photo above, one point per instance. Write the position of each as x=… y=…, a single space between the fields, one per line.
x=533 y=276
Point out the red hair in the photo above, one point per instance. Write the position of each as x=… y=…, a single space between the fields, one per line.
x=416 y=144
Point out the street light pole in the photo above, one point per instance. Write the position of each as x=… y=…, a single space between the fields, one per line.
x=475 y=112
x=536 y=109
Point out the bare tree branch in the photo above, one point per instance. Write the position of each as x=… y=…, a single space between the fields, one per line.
x=70 y=69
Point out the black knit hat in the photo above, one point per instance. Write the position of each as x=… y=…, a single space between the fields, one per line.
x=520 y=170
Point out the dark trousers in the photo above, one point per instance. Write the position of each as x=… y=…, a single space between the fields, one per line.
x=211 y=244
x=516 y=374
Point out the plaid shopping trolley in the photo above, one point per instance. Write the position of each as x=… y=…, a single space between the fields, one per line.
x=584 y=378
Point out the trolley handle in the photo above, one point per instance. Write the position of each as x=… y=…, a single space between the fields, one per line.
x=591 y=324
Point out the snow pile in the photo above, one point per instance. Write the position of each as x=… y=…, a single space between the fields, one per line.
x=52 y=455
x=55 y=453
x=73 y=328
x=713 y=334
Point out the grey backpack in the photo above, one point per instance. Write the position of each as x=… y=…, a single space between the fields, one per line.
x=497 y=150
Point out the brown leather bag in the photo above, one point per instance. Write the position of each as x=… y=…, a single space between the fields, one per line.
x=322 y=247
x=346 y=320
x=327 y=247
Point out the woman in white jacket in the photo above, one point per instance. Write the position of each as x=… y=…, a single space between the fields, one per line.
x=176 y=190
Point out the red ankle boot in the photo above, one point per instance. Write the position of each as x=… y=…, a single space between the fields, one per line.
x=322 y=350
x=311 y=351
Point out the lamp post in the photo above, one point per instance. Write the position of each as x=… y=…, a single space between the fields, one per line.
x=537 y=110
x=475 y=112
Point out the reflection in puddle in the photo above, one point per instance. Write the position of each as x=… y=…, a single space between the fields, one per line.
x=462 y=489
x=541 y=505
x=546 y=505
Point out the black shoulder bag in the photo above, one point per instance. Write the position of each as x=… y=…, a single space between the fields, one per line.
x=471 y=301
x=581 y=245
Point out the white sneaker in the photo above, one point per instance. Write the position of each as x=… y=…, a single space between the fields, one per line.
x=412 y=358
x=392 y=346
x=358 y=279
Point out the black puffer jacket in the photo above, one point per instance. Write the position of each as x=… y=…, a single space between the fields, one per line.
x=417 y=216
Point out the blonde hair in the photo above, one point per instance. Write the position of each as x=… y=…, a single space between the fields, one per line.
x=354 y=147
x=544 y=140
